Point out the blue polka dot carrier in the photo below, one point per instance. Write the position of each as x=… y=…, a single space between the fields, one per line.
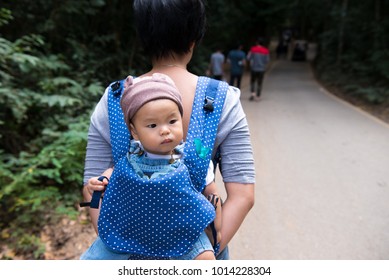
x=161 y=217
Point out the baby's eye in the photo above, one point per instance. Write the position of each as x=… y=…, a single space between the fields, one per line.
x=153 y=125
x=173 y=121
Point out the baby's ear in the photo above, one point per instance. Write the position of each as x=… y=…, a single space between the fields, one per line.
x=133 y=132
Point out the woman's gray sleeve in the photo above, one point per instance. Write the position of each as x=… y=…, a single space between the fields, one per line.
x=233 y=138
x=98 y=151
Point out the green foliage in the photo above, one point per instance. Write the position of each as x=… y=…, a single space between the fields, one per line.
x=5 y=16
x=372 y=94
x=40 y=187
x=357 y=59
x=44 y=107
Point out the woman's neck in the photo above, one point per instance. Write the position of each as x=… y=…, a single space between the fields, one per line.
x=174 y=61
x=159 y=66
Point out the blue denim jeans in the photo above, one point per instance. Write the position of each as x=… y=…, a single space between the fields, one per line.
x=99 y=251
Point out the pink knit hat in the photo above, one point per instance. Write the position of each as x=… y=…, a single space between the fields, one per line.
x=139 y=91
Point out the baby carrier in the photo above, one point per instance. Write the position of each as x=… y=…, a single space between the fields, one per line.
x=164 y=216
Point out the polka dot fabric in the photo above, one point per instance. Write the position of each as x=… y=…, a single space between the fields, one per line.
x=203 y=125
x=119 y=133
x=161 y=217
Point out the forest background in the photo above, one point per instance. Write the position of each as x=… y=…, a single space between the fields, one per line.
x=57 y=57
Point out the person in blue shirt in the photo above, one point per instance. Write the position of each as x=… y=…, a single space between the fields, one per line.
x=237 y=60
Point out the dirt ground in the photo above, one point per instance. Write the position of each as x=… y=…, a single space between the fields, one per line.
x=65 y=240
x=68 y=239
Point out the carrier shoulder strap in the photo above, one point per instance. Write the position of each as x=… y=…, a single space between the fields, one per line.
x=119 y=134
x=200 y=140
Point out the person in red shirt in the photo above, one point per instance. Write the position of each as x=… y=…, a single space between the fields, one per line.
x=259 y=59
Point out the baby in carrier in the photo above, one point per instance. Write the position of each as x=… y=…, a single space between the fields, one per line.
x=151 y=209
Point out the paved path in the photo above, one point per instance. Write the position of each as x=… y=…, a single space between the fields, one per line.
x=322 y=189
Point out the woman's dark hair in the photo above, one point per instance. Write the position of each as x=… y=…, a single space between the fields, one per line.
x=165 y=27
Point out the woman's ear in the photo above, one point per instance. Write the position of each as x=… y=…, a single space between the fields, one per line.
x=133 y=132
x=192 y=46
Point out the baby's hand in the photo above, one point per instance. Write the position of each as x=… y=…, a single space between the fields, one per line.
x=94 y=184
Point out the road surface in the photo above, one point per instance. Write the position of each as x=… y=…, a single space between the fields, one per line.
x=322 y=187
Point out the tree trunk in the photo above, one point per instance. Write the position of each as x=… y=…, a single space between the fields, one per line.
x=377 y=19
x=343 y=14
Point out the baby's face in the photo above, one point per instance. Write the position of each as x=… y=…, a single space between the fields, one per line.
x=158 y=126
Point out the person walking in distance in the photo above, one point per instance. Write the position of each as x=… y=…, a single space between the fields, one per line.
x=259 y=59
x=237 y=60
x=216 y=64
